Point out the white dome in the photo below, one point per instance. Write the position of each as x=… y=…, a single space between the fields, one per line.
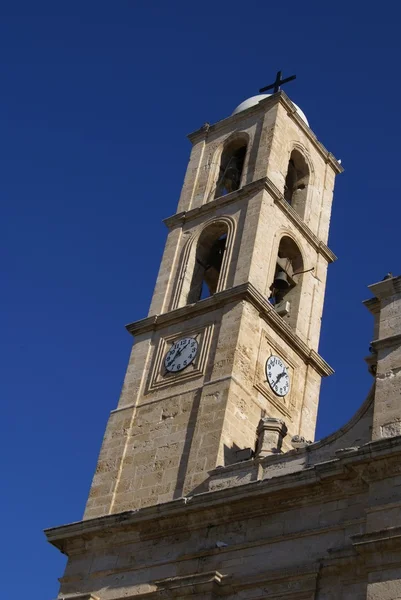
x=256 y=99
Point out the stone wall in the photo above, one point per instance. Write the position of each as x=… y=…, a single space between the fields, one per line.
x=326 y=532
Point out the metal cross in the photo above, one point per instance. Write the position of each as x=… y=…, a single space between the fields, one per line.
x=278 y=83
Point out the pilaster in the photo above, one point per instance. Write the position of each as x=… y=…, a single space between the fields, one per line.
x=387 y=347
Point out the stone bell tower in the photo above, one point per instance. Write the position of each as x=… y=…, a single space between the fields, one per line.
x=229 y=350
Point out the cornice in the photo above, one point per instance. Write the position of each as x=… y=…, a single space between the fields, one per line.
x=284 y=330
x=262 y=107
x=337 y=469
x=203 y=132
x=296 y=220
x=283 y=581
x=251 y=188
x=373 y=305
x=292 y=112
x=188 y=311
x=386 y=342
x=373 y=541
x=176 y=508
x=211 y=582
x=386 y=288
x=204 y=209
x=85 y=596
x=247 y=292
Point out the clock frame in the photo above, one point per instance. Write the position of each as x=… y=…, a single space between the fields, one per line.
x=160 y=378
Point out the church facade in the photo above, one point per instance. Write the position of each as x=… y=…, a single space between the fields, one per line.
x=208 y=482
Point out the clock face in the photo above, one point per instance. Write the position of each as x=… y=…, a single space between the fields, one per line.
x=181 y=354
x=277 y=376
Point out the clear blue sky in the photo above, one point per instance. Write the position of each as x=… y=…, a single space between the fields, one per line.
x=96 y=101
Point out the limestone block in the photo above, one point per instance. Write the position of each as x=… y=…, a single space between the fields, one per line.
x=270 y=432
x=384 y=590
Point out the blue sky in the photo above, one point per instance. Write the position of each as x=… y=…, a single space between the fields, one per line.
x=96 y=101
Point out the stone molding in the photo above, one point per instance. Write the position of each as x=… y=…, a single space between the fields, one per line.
x=373 y=305
x=209 y=207
x=86 y=596
x=196 y=583
x=296 y=220
x=262 y=107
x=297 y=583
x=157 y=375
x=189 y=257
x=371 y=462
x=249 y=293
x=279 y=406
x=210 y=582
x=251 y=188
x=372 y=540
x=270 y=432
x=387 y=342
x=387 y=287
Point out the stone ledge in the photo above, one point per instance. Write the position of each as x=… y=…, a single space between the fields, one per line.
x=251 y=188
x=294 y=217
x=210 y=582
x=86 y=596
x=378 y=539
x=373 y=305
x=387 y=342
x=254 y=493
x=249 y=293
x=204 y=209
x=296 y=580
x=386 y=288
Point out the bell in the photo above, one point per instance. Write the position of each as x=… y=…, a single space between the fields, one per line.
x=281 y=281
x=215 y=257
x=231 y=179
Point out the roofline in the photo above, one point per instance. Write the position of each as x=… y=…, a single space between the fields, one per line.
x=263 y=106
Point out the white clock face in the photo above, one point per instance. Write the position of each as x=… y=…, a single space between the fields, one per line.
x=277 y=376
x=181 y=354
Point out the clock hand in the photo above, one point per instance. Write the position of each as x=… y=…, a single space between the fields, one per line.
x=174 y=357
x=278 y=378
x=181 y=349
x=179 y=352
x=187 y=344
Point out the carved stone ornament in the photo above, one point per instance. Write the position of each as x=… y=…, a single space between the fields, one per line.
x=270 y=434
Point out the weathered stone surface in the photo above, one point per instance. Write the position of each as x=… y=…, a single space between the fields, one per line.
x=171 y=514
x=169 y=430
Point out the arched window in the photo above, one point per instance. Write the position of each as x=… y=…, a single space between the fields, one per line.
x=296 y=182
x=208 y=260
x=286 y=286
x=231 y=166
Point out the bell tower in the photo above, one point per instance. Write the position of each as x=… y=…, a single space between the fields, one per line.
x=233 y=329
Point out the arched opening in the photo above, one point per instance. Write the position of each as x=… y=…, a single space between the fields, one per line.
x=296 y=182
x=286 y=287
x=208 y=261
x=231 y=167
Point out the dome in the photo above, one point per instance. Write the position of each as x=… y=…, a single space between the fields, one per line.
x=256 y=99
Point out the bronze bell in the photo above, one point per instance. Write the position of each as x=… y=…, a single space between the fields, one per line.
x=215 y=257
x=231 y=179
x=281 y=281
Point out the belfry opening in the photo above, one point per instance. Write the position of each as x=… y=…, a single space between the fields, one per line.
x=285 y=289
x=208 y=262
x=231 y=167
x=296 y=182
